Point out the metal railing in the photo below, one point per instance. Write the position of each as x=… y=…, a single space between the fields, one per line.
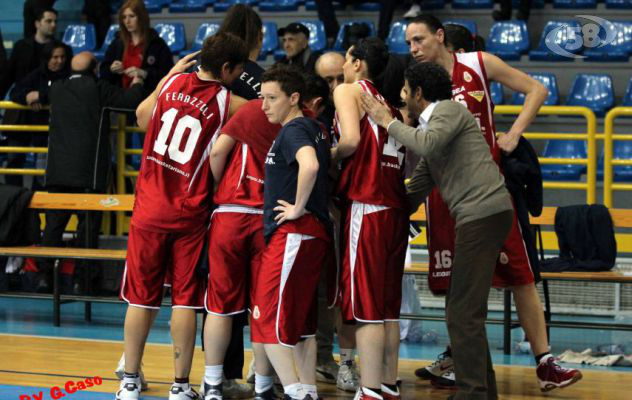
x=608 y=162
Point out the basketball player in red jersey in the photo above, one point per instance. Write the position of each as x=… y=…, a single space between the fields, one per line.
x=236 y=239
x=375 y=236
x=171 y=210
x=471 y=74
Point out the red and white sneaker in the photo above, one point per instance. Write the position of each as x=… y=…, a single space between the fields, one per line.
x=388 y=394
x=365 y=394
x=552 y=375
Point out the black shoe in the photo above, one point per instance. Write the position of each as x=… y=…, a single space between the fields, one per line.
x=500 y=16
x=212 y=392
x=267 y=395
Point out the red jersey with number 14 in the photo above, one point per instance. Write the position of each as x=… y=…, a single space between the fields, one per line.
x=174 y=187
x=374 y=173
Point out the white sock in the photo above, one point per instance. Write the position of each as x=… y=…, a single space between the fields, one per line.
x=129 y=379
x=263 y=383
x=184 y=386
x=310 y=390
x=213 y=374
x=295 y=391
x=346 y=355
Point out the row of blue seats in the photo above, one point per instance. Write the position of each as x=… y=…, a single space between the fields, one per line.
x=507 y=39
x=178 y=6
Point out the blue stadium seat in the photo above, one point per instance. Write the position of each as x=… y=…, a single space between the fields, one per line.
x=564 y=149
x=563 y=39
x=468 y=23
x=311 y=6
x=593 y=91
x=472 y=4
x=627 y=98
x=549 y=81
x=625 y=4
x=179 y=6
x=317 y=38
x=156 y=6
x=574 y=3
x=396 y=40
x=205 y=30
x=173 y=34
x=224 y=5
x=367 y=6
x=279 y=5
x=270 y=39
x=340 y=37
x=496 y=89
x=508 y=39
x=432 y=4
x=621 y=150
x=617 y=50
x=539 y=4
x=80 y=37
x=109 y=37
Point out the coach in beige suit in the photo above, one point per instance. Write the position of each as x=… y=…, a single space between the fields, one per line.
x=456 y=158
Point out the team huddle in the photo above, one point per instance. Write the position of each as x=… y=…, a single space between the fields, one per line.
x=274 y=199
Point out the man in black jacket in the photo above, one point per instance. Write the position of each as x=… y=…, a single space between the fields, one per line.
x=295 y=42
x=79 y=144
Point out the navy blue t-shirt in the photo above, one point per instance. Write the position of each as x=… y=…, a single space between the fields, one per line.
x=281 y=171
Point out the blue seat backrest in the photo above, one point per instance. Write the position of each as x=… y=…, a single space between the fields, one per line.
x=593 y=91
x=80 y=37
x=173 y=34
x=468 y=23
x=109 y=36
x=317 y=38
x=565 y=36
x=508 y=36
x=270 y=38
x=627 y=98
x=205 y=30
x=496 y=89
x=549 y=81
x=396 y=40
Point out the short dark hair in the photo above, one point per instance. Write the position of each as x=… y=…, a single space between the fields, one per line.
x=459 y=37
x=289 y=78
x=39 y=13
x=433 y=23
x=243 y=21
x=222 y=48
x=432 y=78
x=315 y=86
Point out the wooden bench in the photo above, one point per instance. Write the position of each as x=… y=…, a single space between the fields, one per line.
x=71 y=202
x=622 y=218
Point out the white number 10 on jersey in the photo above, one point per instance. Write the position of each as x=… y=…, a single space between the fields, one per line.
x=184 y=123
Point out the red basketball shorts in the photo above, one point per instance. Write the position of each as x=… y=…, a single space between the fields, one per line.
x=512 y=268
x=285 y=282
x=373 y=262
x=151 y=256
x=235 y=245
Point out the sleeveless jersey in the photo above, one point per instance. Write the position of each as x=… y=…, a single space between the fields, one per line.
x=242 y=182
x=173 y=191
x=470 y=87
x=374 y=173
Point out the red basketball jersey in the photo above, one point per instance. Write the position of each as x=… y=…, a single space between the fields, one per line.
x=174 y=187
x=374 y=174
x=242 y=182
x=470 y=87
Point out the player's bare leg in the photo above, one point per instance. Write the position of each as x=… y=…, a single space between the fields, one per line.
x=183 y=328
x=137 y=323
x=282 y=359
x=370 y=341
x=391 y=352
x=264 y=373
x=120 y=369
x=347 y=373
x=531 y=315
x=217 y=332
x=305 y=354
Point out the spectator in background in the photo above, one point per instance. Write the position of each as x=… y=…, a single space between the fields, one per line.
x=242 y=21
x=295 y=43
x=31 y=12
x=79 y=148
x=26 y=57
x=97 y=13
x=327 y=14
x=32 y=90
x=27 y=52
x=137 y=50
x=524 y=9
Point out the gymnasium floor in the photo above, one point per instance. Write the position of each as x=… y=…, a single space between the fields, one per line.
x=35 y=357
